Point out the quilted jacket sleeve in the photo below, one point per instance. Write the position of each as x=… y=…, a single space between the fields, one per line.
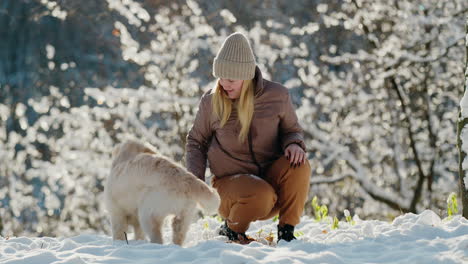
x=291 y=130
x=198 y=140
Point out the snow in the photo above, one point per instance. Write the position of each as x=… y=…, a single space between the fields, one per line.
x=410 y=238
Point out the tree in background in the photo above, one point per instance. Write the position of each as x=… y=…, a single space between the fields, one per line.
x=463 y=137
x=59 y=159
x=391 y=115
x=49 y=52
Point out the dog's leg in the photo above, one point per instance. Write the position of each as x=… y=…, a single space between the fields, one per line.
x=119 y=224
x=156 y=226
x=181 y=224
x=139 y=234
x=151 y=225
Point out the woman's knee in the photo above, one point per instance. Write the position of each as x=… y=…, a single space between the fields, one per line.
x=303 y=172
x=256 y=190
x=265 y=195
x=258 y=203
x=246 y=189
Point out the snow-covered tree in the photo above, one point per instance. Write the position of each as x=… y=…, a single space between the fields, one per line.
x=391 y=115
x=462 y=137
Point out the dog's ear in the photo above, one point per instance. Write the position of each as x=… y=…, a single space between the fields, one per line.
x=116 y=150
x=148 y=150
x=146 y=147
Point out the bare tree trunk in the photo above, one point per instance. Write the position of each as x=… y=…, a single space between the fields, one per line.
x=462 y=123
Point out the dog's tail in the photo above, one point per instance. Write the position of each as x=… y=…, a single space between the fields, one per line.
x=206 y=196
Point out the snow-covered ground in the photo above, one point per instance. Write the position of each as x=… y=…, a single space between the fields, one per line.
x=410 y=238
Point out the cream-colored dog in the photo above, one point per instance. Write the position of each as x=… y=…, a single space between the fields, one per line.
x=144 y=187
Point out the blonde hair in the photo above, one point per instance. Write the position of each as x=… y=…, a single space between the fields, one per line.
x=222 y=106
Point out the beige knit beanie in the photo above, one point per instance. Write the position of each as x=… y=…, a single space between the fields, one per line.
x=235 y=59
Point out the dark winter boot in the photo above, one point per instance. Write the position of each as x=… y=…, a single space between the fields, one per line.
x=234 y=236
x=286 y=233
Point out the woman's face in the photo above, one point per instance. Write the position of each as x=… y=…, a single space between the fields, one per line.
x=232 y=88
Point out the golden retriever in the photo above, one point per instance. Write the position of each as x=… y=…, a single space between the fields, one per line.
x=144 y=187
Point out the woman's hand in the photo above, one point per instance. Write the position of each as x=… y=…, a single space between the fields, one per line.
x=295 y=155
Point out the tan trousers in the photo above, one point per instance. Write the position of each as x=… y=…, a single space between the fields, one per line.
x=246 y=198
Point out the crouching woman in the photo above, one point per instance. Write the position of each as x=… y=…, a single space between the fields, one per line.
x=247 y=129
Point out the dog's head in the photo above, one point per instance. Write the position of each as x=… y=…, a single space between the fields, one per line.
x=131 y=148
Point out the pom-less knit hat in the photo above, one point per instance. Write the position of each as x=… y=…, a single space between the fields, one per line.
x=235 y=59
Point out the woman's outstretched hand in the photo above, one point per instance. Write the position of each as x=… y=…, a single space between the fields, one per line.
x=295 y=155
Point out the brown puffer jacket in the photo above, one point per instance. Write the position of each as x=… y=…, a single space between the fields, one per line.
x=274 y=126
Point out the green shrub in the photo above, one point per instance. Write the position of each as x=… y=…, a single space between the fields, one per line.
x=452 y=205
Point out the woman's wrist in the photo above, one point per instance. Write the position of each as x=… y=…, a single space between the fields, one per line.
x=297 y=143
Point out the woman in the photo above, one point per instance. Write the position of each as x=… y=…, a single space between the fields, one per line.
x=247 y=129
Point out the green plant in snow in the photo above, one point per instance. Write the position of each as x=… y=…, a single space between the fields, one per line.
x=275 y=218
x=298 y=233
x=335 y=224
x=324 y=211
x=259 y=232
x=320 y=211
x=349 y=219
x=218 y=218
x=316 y=209
x=452 y=205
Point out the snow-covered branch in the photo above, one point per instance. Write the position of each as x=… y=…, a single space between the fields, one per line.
x=360 y=173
